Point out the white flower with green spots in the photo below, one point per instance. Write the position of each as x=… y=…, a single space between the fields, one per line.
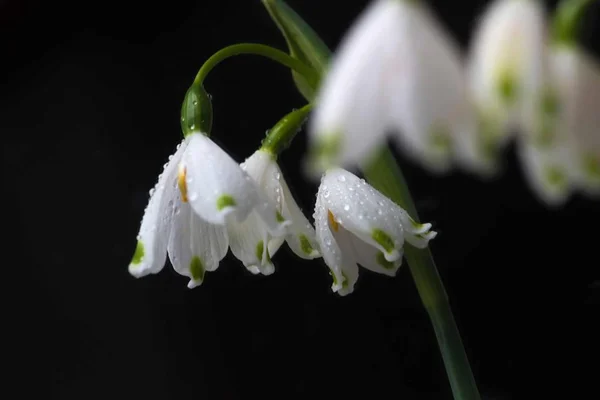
x=247 y=239
x=507 y=68
x=356 y=224
x=396 y=71
x=200 y=191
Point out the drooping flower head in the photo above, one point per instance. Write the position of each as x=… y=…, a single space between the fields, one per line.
x=251 y=241
x=356 y=224
x=200 y=191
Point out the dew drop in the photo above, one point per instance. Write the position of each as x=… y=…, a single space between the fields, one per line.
x=195 y=102
x=342 y=178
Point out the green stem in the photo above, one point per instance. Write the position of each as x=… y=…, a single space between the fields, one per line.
x=282 y=134
x=383 y=173
x=256 y=49
x=567 y=20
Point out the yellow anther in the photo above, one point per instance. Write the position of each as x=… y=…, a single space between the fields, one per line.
x=181 y=183
x=334 y=224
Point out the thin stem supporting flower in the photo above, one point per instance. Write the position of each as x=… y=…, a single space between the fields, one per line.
x=282 y=134
x=385 y=175
x=261 y=50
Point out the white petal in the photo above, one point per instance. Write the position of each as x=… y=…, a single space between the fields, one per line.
x=578 y=81
x=364 y=211
x=264 y=172
x=249 y=242
x=342 y=266
x=195 y=246
x=507 y=62
x=370 y=257
x=547 y=172
x=435 y=107
x=216 y=185
x=350 y=102
x=151 y=250
x=302 y=238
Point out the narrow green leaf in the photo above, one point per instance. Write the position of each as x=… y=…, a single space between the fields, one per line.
x=303 y=43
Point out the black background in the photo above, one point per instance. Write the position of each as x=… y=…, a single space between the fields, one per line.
x=89 y=112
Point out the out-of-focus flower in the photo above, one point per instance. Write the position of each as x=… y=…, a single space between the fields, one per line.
x=356 y=224
x=250 y=240
x=395 y=70
x=507 y=71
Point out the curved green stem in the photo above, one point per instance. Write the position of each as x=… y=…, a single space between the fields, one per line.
x=383 y=173
x=261 y=50
x=281 y=135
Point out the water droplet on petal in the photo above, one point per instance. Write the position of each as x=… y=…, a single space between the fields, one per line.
x=346 y=207
x=342 y=178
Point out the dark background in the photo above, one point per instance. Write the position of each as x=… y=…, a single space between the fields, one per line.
x=89 y=112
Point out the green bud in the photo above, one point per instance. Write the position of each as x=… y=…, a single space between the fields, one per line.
x=196 y=111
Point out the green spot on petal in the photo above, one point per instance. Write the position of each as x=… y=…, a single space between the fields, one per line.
x=138 y=255
x=345 y=282
x=550 y=103
x=554 y=176
x=487 y=139
x=279 y=217
x=380 y=258
x=440 y=140
x=507 y=87
x=225 y=201
x=260 y=247
x=197 y=269
x=591 y=166
x=383 y=239
x=327 y=148
x=335 y=281
x=305 y=244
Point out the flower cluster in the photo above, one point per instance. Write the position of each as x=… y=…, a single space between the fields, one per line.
x=397 y=71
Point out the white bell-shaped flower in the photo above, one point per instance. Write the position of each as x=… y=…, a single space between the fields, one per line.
x=577 y=77
x=395 y=70
x=251 y=241
x=200 y=190
x=507 y=70
x=356 y=224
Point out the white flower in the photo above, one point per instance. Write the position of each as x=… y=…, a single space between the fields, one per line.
x=565 y=154
x=357 y=224
x=248 y=239
x=398 y=70
x=577 y=77
x=200 y=189
x=507 y=70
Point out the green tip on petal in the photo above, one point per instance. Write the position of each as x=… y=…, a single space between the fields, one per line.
x=440 y=140
x=487 y=139
x=383 y=239
x=260 y=247
x=225 y=201
x=138 y=255
x=279 y=217
x=197 y=269
x=507 y=87
x=305 y=244
x=380 y=258
x=591 y=166
x=325 y=151
x=555 y=177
